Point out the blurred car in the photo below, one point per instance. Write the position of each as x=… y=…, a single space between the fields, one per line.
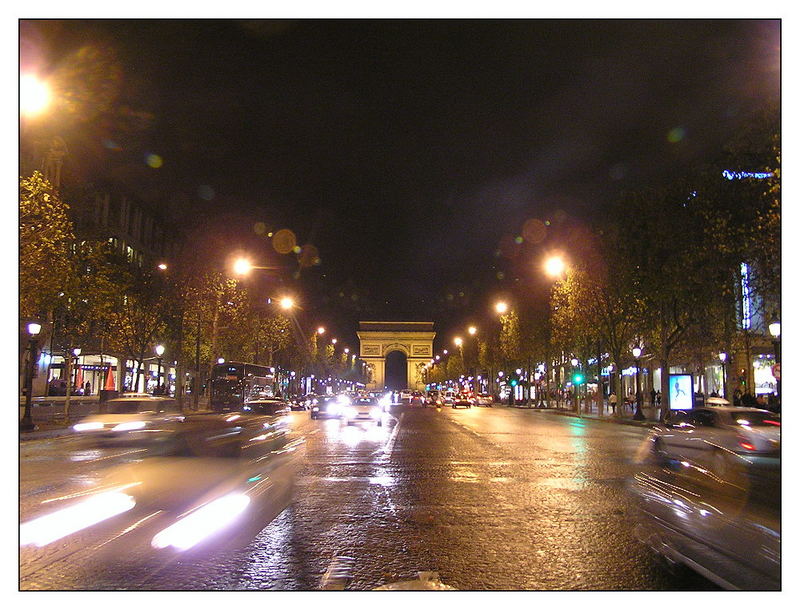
x=433 y=398
x=327 y=407
x=417 y=398
x=363 y=410
x=726 y=529
x=174 y=504
x=715 y=436
x=297 y=403
x=463 y=400
x=310 y=401
x=484 y=400
x=131 y=419
x=405 y=395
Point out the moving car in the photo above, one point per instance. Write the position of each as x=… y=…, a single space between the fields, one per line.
x=137 y=419
x=363 y=410
x=449 y=397
x=326 y=407
x=433 y=398
x=726 y=529
x=463 y=400
x=405 y=395
x=418 y=399
x=484 y=400
x=716 y=436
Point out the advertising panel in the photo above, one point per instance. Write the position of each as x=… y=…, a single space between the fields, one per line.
x=680 y=391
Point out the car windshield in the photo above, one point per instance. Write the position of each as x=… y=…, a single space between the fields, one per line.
x=755 y=418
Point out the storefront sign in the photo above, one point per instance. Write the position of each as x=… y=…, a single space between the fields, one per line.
x=680 y=391
x=743 y=175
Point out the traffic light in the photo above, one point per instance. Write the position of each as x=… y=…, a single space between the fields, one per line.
x=514 y=381
x=577 y=377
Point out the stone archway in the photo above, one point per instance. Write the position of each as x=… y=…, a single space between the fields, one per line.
x=378 y=339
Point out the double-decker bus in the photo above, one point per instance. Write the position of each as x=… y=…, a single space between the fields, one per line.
x=234 y=383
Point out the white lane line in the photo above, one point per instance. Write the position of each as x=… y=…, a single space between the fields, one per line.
x=339 y=573
x=389 y=446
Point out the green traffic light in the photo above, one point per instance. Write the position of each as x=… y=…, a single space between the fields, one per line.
x=577 y=378
x=513 y=382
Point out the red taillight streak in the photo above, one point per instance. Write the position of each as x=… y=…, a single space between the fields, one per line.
x=746 y=445
x=774 y=423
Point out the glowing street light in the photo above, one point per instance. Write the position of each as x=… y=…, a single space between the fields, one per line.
x=554 y=266
x=34 y=95
x=287 y=303
x=472 y=330
x=637 y=352
x=321 y=330
x=162 y=266
x=159 y=353
x=458 y=341
x=444 y=351
x=334 y=340
x=242 y=266
x=501 y=307
x=347 y=350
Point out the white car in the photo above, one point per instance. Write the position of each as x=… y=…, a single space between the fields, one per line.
x=367 y=409
x=717 y=437
x=484 y=400
x=406 y=395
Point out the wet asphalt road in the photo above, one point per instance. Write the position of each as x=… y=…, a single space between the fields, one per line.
x=490 y=498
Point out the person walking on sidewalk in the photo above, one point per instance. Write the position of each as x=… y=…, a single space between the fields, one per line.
x=652 y=397
x=612 y=400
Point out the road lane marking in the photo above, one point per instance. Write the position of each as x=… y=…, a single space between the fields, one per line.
x=389 y=446
x=339 y=573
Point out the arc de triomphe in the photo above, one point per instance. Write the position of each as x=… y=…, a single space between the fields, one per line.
x=378 y=339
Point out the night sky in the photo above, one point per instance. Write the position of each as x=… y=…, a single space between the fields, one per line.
x=409 y=153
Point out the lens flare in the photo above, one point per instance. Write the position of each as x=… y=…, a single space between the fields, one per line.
x=187 y=532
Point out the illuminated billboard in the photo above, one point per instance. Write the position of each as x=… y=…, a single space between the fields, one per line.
x=680 y=391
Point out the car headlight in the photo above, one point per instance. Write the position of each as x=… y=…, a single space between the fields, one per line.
x=315 y=409
x=187 y=532
x=90 y=425
x=129 y=425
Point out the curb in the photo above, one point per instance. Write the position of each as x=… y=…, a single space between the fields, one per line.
x=41 y=434
x=607 y=420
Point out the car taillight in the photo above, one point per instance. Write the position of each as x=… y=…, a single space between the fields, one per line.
x=772 y=422
x=745 y=444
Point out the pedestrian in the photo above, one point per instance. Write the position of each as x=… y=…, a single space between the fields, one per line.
x=737 y=398
x=658 y=398
x=612 y=400
x=87 y=389
x=652 y=397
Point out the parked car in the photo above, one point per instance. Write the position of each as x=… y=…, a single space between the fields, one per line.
x=716 y=436
x=484 y=400
x=463 y=400
x=363 y=410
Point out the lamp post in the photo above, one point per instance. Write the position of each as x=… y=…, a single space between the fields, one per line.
x=775 y=331
x=722 y=358
x=26 y=423
x=637 y=351
x=159 y=353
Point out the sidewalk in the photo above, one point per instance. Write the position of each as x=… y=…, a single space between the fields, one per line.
x=651 y=414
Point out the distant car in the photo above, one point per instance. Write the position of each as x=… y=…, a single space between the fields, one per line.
x=433 y=398
x=131 y=419
x=363 y=410
x=405 y=395
x=418 y=399
x=297 y=403
x=327 y=407
x=715 y=436
x=310 y=400
x=448 y=398
x=484 y=400
x=463 y=400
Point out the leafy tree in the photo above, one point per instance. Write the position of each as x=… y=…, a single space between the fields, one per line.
x=45 y=237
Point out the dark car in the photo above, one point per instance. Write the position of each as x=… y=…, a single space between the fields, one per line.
x=417 y=399
x=463 y=400
x=727 y=529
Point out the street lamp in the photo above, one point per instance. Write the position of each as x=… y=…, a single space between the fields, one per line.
x=26 y=423
x=554 y=266
x=162 y=266
x=159 y=353
x=472 y=330
x=34 y=95
x=220 y=360
x=334 y=340
x=775 y=331
x=242 y=266
x=637 y=352
x=287 y=303
x=501 y=307
x=321 y=330
x=722 y=358
x=458 y=341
